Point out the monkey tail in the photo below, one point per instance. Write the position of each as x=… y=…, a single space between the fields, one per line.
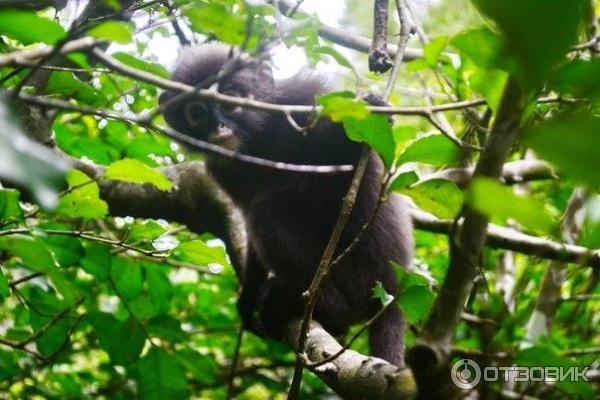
x=386 y=336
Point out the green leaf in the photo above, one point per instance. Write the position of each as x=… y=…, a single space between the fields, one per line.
x=31 y=251
x=579 y=78
x=122 y=340
x=160 y=376
x=375 y=130
x=147 y=230
x=36 y=257
x=482 y=46
x=28 y=27
x=167 y=327
x=66 y=249
x=415 y=302
x=67 y=84
x=97 y=261
x=83 y=199
x=381 y=294
x=116 y=31
x=4 y=289
x=543 y=356
x=440 y=197
x=216 y=19
x=204 y=369
x=570 y=142
x=336 y=55
x=199 y=253
x=490 y=83
x=9 y=204
x=433 y=50
x=159 y=287
x=404 y=180
x=536 y=33
x=340 y=106
x=434 y=150
x=146 y=66
x=493 y=199
x=126 y=273
x=135 y=171
x=54 y=335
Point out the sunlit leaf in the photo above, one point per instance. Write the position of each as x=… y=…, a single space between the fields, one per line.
x=375 y=130
x=435 y=150
x=433 y=50
x=440 y=197
x=381 y=294
x=340 y=106
x=404 y=180
x=198 y=252
x=28 y=27
x=83 y=198
x=116 y=31
x=415 y=302
x=9 y=204
x=135 y=171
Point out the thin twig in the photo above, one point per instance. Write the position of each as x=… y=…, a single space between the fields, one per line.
x=234 y=363
x=311 y=295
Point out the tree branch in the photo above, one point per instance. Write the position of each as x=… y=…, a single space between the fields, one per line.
x=352 y=375
x=466 y=243
x=510 y=239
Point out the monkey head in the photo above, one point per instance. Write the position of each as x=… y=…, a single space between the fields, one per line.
x=230 y=72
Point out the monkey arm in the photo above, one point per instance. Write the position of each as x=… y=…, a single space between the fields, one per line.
x=253 y=283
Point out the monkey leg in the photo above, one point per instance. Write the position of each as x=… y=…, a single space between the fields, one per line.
x=277 y=307
x=386 y=336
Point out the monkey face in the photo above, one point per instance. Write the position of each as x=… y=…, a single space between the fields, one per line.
x=220 y=124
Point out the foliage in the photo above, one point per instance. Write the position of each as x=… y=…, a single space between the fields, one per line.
x=94 y=304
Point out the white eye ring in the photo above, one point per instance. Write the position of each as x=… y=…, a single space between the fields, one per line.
x=196 y=113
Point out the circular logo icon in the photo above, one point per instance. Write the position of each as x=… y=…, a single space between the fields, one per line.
x=465 y=374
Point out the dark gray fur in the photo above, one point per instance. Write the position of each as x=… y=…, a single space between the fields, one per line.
x=290 y=216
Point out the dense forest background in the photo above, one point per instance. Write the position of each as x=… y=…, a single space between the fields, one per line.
x=117 y=251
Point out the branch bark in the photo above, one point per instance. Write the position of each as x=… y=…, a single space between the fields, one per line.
x=466 y=243
x=352 y=375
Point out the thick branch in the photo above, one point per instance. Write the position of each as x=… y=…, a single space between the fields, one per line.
x=466 y=243
x=511 y=239
x=352 y=375
x=513 y=173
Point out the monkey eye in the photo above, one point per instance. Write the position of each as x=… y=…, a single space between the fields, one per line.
x=196 y=113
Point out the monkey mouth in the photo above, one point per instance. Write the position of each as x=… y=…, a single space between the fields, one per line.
x=224 y=137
